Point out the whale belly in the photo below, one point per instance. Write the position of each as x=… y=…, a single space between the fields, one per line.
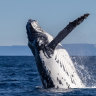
x=61 y=69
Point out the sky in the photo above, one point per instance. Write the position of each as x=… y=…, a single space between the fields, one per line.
x=52 y=15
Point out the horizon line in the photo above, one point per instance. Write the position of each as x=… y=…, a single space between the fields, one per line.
x=61 y=43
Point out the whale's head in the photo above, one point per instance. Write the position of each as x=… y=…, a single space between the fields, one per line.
x=37 y=37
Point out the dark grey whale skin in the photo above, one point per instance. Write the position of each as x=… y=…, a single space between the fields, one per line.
x=47 y=47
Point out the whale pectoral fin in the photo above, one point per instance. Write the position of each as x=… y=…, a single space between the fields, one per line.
x=62 y=34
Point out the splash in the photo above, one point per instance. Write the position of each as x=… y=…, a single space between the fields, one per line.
x=85 y=70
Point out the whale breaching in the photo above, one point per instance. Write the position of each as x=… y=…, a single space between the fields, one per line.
x=54 y=64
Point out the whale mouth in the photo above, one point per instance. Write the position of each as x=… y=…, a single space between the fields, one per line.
x=30 y=24
x=33 y=29
x=30 y=21
x=34 y=24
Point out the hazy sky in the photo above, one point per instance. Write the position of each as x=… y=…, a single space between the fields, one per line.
x=52 y=15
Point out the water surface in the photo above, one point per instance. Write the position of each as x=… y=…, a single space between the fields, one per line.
x=19 y=77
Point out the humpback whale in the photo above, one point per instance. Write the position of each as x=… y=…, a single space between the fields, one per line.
x=53 y=62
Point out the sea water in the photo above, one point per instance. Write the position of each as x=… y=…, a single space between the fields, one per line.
x=19 y=77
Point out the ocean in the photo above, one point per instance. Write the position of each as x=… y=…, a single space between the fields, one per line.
x=19 y=77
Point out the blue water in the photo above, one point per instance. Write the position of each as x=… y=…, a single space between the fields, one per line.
x=19 y=77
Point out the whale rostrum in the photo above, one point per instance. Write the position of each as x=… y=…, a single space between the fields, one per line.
x=53 y=62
